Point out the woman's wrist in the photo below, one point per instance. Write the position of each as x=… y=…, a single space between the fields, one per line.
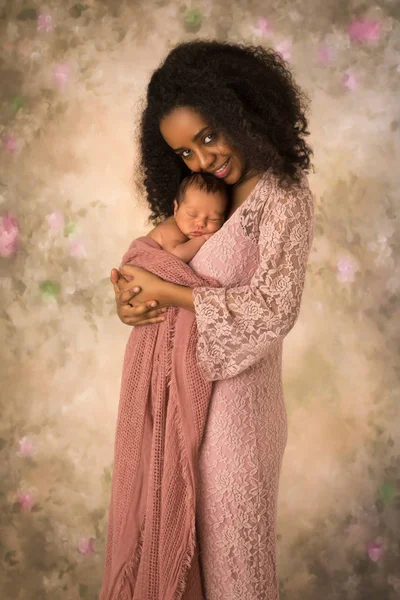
x=177 y=295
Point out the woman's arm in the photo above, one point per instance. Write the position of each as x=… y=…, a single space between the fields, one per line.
x=151 y=286
x=177 y=295
x=238 y=326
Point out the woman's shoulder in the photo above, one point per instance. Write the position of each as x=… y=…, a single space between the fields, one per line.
x=280 y=183
x=271 y=197
x=276 y=191
x=273 y=185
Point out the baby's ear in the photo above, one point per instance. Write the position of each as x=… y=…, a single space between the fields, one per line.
x=175 y=206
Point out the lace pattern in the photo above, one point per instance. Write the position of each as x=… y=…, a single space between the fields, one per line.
x=238 y=325
x=260 y=257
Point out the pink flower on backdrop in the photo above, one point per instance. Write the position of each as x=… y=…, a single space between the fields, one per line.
x=77 y=249
x=55 y=222
x=9 y=234
x=25 y=446
x=85 y=545
x=61 y=74
x=349 y=81
x=325 y=54
x=345 y=269
x=45 y=23
x=364 y=30
x=10 y=142
x=26 y=499
x=263 y=26
x=375 y=550
x=284 y=49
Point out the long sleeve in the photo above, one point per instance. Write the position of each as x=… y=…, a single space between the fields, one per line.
x=237 y=326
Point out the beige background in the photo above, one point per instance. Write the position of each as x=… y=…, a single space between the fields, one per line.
x=72 y=76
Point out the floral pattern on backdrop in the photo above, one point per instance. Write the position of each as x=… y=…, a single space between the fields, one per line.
x=73 y=76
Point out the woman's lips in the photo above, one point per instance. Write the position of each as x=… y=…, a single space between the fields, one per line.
x=225 y=171
x=196 y=233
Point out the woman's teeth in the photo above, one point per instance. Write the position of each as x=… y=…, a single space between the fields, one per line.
x=222 y=168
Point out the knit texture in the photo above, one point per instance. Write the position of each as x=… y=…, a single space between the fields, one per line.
x=152 y=550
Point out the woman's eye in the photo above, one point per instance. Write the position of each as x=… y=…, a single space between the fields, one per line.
x=207 y=139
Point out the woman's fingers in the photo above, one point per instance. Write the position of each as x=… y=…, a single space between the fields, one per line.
x=117 y=282
x=139 y=310
x=140 y=315
x=115 y=275
x=150 y=321
x=124 y=284
x=122 y=288
x=143 y=313
x=146 y=321
x=127 y=296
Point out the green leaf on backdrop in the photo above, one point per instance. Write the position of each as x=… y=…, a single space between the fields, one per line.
x=69 y=228
x=17 y=102
x=49 y=289
x=192 y=20
x=386 y=492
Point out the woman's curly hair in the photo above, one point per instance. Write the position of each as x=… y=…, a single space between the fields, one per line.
x=244 y=92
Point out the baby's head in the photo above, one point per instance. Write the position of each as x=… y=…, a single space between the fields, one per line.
x=201 y=204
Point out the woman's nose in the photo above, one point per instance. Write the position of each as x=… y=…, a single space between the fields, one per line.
x=205 y=160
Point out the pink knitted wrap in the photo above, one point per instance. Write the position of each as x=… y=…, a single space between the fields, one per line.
x=152 y=550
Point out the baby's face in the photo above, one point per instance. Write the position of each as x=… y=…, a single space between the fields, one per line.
x=200 y=212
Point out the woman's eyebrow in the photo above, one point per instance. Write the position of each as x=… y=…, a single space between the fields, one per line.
x=194 y=138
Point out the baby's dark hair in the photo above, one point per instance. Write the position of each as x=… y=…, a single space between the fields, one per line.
x=202 y=181
x=247 y=93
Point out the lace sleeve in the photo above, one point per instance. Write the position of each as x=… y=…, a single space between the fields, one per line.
x=237 y=326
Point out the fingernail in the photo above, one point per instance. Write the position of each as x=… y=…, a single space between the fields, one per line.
x=164 y=310
x=153 y=304
x=136 y=289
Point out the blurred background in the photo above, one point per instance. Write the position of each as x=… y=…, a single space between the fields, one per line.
x=72 y=79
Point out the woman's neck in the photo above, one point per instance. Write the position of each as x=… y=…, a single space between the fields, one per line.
x=242 y=188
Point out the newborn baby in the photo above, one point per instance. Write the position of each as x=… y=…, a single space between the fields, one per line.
x=200 y=208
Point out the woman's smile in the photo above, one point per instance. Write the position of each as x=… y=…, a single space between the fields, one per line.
x=223 y=170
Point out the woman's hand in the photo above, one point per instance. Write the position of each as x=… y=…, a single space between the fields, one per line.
x=151 y=286
x=143 y=313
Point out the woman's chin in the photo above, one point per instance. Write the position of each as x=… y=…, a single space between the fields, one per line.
x=233 y=177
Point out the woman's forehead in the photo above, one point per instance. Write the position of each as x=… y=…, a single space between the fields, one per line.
x=182 y=126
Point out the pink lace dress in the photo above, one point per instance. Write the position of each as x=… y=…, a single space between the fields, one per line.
x=260 y=257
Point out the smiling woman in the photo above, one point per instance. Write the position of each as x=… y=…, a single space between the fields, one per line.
x=202 y=149
x=244 y=101
x=235 y=113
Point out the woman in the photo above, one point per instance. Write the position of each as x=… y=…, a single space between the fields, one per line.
x=233 y=111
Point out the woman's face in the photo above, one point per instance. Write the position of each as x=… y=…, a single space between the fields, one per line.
x=202 y=148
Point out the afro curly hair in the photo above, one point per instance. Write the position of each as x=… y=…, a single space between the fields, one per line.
x=244 y=92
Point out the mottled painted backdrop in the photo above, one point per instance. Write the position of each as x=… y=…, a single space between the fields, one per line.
x=72 y=76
